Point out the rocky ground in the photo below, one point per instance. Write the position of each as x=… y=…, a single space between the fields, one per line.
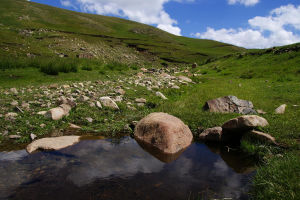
x=33 y=112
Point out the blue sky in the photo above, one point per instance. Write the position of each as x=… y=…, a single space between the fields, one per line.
x=247 y=23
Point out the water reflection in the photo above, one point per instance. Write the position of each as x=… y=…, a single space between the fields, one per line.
x=105 y=169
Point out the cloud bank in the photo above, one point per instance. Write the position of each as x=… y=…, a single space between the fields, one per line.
x=243 y=2
x=280 y=27
x=148 y=12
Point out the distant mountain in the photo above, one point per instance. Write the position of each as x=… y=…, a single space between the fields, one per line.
x=31 y=29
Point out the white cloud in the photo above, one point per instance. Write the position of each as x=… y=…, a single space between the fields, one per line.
x=146 y=11
x=67 y=3
x=244 y=2
x=169 y=28
x=280 y=27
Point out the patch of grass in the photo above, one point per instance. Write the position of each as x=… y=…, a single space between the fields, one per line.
x=278 y=179
x=87 y=68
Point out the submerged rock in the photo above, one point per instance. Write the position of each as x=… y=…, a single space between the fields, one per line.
x=55 y=143
x=230 y=104
x=165 y=132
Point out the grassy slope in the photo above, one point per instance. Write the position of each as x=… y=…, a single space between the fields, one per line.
x=266 y=78
x=93 y=32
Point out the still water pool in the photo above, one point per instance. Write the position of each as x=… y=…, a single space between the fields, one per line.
x=124 y=169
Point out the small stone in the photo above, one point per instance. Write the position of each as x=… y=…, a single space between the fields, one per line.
x=280 y=109
x=33 y=136
x=108 y=102
x=14 y=137
x=73 y=126
x=186 y=79
x=98 y=104
x=65 y=86
x=212 y=134
x=261 y=112
x=120 y=91
x=84 y=98
x=42 y=125
x=53 y=86
x=175 y=87
x=131 y=107
x=14 y=103
x=159 y=94
x=92 y=104
x=42 y=112
x=89 y=119
x=14 y=91
x=140 y=100
x=10 y=116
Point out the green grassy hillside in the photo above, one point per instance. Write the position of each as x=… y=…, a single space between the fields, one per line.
x=33 y=29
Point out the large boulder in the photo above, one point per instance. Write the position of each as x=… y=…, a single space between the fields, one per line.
x=243 y=123
x=55 y=143
x=230 y=104
x=109 y=103
x=164 y=132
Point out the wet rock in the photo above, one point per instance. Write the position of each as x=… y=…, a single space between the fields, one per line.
x=58 y=112
x=55 y=143
x=211 y=134
x=280 y=109
x=164 y=132
x=230 y=104
x=109 y=103
x=243 y=123
x=159 y=94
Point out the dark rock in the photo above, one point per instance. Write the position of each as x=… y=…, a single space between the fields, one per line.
x=230 y=104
